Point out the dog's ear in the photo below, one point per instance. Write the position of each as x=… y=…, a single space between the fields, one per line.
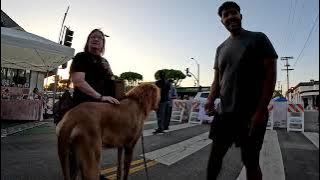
x=147 y=95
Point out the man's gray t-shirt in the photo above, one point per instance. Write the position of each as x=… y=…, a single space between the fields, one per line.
x=239 y=61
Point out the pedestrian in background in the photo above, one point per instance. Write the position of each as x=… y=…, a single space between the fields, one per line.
x=244 y=80
x=162 y=110
x=172 y=95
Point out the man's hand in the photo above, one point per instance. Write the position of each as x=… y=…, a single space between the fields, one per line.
x=256 y=120
x=210 y=108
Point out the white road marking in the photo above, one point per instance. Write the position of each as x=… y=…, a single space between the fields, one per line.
x=174 y=153
x=150 y=122
x=270 y=159
x=149 y=132
x=313 y=137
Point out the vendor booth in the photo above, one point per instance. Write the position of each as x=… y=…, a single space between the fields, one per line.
x=25 y=59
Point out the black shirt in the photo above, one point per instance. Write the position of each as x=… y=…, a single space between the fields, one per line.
x=239 y=61
x=164 y=86
x=96 y=75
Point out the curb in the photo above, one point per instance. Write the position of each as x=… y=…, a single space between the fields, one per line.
x=15 y=129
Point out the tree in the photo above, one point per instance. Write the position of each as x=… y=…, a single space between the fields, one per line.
x=63 y=83
x=176 y=75
x=131 y=77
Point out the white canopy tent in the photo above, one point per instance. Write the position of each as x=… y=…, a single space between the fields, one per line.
x=23 y=50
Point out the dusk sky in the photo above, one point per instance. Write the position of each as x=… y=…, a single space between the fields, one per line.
x=148 y=35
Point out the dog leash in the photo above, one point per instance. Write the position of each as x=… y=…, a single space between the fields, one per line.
x=144 y=157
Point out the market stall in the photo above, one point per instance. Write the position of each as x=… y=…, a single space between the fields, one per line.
x=25 y=59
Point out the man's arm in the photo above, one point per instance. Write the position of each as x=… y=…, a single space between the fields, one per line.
x=269 y=83
x=214 y=93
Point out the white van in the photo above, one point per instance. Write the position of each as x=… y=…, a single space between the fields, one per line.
x=202 y=96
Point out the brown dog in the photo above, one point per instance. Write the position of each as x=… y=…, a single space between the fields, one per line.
x=87 y=127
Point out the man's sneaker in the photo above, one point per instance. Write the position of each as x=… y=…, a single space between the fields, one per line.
x=158 y=131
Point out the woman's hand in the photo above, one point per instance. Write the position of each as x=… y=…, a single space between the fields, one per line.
x=109 y=99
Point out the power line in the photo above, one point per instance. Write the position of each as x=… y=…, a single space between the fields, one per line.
x=285 y=36
x=299 y=20
x=313 y=26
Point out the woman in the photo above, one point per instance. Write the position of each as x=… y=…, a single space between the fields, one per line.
x=91 y=73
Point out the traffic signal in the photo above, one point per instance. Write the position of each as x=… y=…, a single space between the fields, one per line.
x=68 y=37
x=188 y=72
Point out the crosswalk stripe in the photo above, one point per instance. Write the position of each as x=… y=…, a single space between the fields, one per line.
x=150 y=122
x=149 y=132
x=270 y=159
x=174 y=153
x=313 y=137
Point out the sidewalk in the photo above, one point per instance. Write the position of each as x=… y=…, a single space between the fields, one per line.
x=22 y=127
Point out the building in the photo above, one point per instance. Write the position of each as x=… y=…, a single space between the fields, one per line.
x=190 y=91
x=306 y=93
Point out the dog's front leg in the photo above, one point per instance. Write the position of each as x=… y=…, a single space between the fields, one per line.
x=119 y=169
x=128 y=151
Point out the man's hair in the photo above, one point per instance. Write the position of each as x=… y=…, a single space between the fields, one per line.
x=86 y=47
x=162 y=75
x=228 y=5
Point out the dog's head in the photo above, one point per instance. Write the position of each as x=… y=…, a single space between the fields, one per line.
x=147 y=95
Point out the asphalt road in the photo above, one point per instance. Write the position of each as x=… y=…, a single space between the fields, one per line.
x=181 y=153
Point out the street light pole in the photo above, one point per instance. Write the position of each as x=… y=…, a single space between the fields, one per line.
x=60 y=42
x=198 y=68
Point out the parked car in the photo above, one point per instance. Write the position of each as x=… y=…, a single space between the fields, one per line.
x=202 y=97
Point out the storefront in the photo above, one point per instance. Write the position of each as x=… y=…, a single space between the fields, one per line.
x=16 y=94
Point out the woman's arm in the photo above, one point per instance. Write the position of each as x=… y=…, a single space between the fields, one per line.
x=78 y=79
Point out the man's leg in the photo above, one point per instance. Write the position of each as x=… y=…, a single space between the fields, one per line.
x=168 y=117
x=215 y=160
x=250 y=152
x=161 y=116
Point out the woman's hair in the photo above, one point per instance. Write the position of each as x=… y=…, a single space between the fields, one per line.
x=86 y=47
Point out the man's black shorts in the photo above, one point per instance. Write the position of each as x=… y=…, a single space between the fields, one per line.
x=229 y=128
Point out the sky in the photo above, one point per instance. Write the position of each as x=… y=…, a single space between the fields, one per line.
x=148 y=35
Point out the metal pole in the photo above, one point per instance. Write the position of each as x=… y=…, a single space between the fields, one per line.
x=60 y=42
x=198 y=68
x=198 y=74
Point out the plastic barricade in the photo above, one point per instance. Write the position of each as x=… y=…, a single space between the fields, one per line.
x=270 y=118
x=194 y=113
x=178 y=109
x=295 y=120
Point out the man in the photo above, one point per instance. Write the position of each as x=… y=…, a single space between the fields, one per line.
x=172 y=95
x=162 y=111
x=244 y=80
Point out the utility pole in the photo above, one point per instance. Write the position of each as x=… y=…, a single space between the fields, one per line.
x=287 y=69
x=198 y=69
x=60 y=42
